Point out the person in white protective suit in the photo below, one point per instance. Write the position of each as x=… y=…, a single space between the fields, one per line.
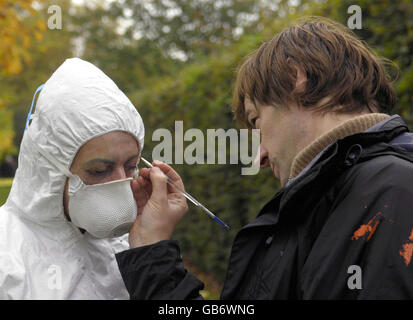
x=71 y=204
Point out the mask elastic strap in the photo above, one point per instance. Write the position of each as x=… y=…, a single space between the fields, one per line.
x=29 y=115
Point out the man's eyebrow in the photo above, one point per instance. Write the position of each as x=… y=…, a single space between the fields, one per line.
x=133 y=157
x=98 y=160
x=106 y=161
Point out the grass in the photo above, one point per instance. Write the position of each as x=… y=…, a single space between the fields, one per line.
x=5 y=185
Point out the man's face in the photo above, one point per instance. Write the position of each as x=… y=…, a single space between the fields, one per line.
x=109 y=157
x=282 y=132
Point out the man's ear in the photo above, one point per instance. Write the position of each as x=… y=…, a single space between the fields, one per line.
x=301 y=79
x=300 y=76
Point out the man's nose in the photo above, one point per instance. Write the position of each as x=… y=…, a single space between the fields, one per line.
x=119 y=173
x=262 y=157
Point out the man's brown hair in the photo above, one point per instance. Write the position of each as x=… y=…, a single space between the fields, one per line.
x=343 y=73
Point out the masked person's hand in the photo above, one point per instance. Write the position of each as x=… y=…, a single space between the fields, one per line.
x=160 y=205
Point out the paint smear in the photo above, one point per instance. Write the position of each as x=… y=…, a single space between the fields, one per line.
x=411 y=235
x=407 y=253
x=373 y=229
x=368 y=228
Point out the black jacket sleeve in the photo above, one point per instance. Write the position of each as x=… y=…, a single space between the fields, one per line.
x=157 y=272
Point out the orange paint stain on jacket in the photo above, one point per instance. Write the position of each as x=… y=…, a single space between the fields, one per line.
x=411 y=235
x=373 y=229
x=368 y=228
x=407 y=253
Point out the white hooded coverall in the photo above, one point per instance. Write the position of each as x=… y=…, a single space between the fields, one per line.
x=42 y=254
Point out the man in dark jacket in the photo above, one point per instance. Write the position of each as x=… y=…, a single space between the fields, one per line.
x=341 y=227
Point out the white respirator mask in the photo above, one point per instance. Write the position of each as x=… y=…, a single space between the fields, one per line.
x=104 y=210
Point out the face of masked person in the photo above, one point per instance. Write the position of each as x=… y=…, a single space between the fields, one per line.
x=101 y=201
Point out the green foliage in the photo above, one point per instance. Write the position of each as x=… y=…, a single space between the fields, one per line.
x=16 y=31
x=46 y=55
x=129 y=62
x=191 y=27
x=19 y=23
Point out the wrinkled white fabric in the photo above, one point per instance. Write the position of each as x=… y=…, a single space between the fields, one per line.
x=42 y=255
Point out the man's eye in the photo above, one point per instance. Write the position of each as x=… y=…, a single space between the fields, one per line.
x=97 y=172
x=131 y=167
x=253 y=121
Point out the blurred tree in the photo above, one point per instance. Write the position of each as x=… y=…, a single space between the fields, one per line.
x=45 y=55
x=19 y=24
x=189 y=28
x=16 y=33
x=131 y=63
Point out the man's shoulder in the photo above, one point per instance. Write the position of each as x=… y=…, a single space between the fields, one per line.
x=384 y=171
x=387 y=163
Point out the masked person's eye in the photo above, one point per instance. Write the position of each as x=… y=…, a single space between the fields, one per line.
x=98 y=173
x=131 y=168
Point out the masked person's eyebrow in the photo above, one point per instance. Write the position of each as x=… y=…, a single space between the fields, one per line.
x=98 y=161
x=133 y=157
